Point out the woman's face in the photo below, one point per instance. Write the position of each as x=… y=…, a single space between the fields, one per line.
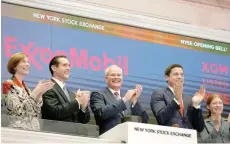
x=23 y=67
x=216 y=106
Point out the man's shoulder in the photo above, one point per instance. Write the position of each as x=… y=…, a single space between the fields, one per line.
x=51 y=91
x=160 y=91
x=101 y=92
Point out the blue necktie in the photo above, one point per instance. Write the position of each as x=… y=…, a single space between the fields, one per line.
x=66 y=93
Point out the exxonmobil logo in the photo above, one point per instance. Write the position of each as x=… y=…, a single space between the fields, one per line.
x=78 y=58
x=214 y=68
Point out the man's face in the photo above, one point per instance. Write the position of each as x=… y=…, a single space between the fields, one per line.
x=114 y=78
x=176 y=75
x=62 y=71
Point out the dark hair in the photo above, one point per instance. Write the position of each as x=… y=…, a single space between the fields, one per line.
x=169 y=68
x=14 y=61
x=209 y=100
x=55 y=62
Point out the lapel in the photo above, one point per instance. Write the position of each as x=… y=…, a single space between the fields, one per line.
x=110 y=95
x=71 y=94
x=112 y=98
x=59 y=89
x=209 y=124
x=222 y=127
x=128 y=105
x=209 y=120
x=186 y=102
x=212 y=123
x=169 y=93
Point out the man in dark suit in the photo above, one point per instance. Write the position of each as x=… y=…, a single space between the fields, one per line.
x=172 y=108
x=111 y=105
x=61 y=104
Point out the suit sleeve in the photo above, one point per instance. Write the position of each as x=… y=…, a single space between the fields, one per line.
x=162 y=112
x=55 y=110
x=82 y=117
x=103 y=111
x=139 y=111
x=196 y=118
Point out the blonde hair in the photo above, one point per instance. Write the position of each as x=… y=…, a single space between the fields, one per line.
x=14 y=61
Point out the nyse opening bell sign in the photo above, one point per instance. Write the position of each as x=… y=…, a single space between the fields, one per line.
x=92 y=45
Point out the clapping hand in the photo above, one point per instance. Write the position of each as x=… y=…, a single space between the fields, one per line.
x=83 y=98
x=178 y=90
x=137 y=93
x=199 y=96
x=43 y=86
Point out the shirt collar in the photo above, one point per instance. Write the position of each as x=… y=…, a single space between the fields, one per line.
x=113 y=91
x=212 y=122
x=171 y=90
x=18 y=83
x=60 y=83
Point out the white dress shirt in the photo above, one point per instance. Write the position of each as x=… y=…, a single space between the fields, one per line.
x=61 y=84
x=194 y=105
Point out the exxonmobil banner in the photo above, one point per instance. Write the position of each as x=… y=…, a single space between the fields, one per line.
x=92 y=45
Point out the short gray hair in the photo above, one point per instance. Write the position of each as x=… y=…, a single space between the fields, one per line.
x=107 y=69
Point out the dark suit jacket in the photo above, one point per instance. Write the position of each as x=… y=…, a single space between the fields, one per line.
x=56 y=106
x=167 y=111
x=108 y=110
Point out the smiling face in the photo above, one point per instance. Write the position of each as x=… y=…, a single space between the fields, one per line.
x=61 y=71
x=114 y=78
x=176 y=75
x=23 y=67
x=216 y=106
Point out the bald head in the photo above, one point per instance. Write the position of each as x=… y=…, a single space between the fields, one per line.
x=108 y=69
x=114 y=77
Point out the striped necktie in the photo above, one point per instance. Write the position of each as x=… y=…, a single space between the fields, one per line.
x=117 y=95
x=66 y=92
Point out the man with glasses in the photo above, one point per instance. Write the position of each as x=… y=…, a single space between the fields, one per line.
x=172 y=108
x=111 y=105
